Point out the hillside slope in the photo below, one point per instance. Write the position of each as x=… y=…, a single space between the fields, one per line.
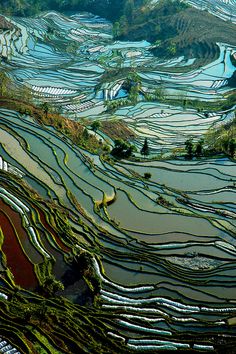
x=176 y=29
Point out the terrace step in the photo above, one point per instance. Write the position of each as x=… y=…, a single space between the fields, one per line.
x=7 y=348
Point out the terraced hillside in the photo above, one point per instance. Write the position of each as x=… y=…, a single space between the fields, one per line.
x=101 y=255
x=166 y=244
x=77 y=69
x=188 y=31
x=45 y=274
x=224 y=9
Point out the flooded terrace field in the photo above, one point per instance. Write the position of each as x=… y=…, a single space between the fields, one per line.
x=163 y=247
x=68 y=61
x=162 y=239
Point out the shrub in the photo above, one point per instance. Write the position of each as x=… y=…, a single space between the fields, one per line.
x=147 y=175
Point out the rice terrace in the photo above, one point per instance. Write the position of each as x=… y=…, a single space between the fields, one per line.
x=117 y=176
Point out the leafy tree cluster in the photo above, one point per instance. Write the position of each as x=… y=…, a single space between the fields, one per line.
x=113 y=105
x=147 y=175
x=194 y=149
x=132 y=85
x=222 y=139
x=122 y=149
x=95 y=125
x=51 y=286
x=216 y=141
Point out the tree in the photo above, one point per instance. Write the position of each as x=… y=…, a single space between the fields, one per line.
x=147 y=175
x=189 y=148
x=121 y=27
x=50 y=286
x=83 y=262
x=130 y=151
x=116 y=30
x=145 y=149
x=122 y=149
x=232 y=147
x=172 y=49
x=45 y=108
x=199 y=148
x=85 y=134
x=95 y=125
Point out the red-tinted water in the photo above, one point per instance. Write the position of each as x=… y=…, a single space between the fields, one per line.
x=32 y=253
x=17 y=261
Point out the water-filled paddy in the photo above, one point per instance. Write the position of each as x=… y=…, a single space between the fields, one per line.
x=17 y=257
x=156 y=225
x=166 y=245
